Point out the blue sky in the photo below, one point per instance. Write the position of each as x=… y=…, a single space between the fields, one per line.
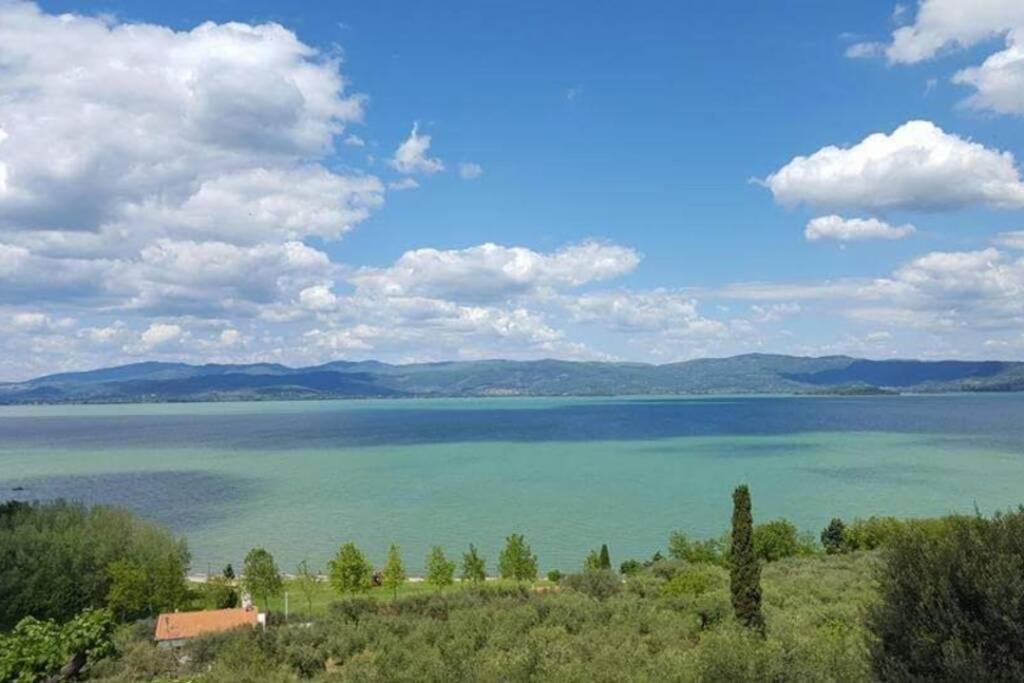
x=624 y=158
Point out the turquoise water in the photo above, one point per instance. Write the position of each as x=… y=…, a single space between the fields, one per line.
x=302 y=477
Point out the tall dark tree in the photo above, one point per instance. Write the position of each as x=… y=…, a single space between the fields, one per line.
x=745 y=570
x=605 y=559
x=833 y=537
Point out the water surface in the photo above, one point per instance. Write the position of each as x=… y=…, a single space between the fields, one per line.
x=301 y=477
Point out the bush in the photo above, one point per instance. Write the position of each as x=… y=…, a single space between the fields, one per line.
x=36 y=650
x=554 y=576
x=778 y=539
x=871 y=533
x=950 y=605
x=696 y=580
x=58 y=559
x=629 y=567
x=710 y=550
x=597 y=583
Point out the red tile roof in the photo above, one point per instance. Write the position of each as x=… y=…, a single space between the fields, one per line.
x=177 y=625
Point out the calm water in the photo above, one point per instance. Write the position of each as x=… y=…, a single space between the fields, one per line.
x=299 y=478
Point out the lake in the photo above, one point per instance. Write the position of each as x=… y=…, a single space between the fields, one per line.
x=299 y=478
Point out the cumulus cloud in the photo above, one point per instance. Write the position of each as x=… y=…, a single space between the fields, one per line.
x=492 y=271
x=159 y=334
x=835 y=227
x=917 y=166
x=942 y=25
x=411 y=155
x=169 y=172
x=470 y=171
x=999 y=80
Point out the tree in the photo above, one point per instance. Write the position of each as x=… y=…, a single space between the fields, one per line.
x=261 y=577
x=950 y=596
x=516 y=560
x=440 y=570
x=56 y=559
x=776 y=540
x=745 y=569
x=129 y=594
x=219 y=593
x=682 y=547
x=832 y=536
x=393 y=574
x=307 y=580
x=349 y=572
x=229 y=572
x=473 y=566
x=605 y=560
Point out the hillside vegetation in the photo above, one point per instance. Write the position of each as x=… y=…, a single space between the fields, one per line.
x=754 y=373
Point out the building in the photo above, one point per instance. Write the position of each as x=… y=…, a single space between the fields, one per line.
x=173 y=629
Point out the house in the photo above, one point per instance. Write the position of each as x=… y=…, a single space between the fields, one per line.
x=173 y=629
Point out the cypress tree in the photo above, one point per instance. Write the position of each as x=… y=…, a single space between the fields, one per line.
x=745 y=571
x=605 y=560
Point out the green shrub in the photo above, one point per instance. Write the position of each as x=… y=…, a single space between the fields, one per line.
x=36 y=650
x=696 y=580
x=597 y=583
x=950 y=606
x=554 y=576
x=778 y=539
x=710 y=550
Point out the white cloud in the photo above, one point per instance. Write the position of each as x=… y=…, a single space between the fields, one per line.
x=158 y=335
x=403 y=184
x=917 y=166
x=470 y=171
x=1011 y=240
x=849 y=229
x=999 y=80
x=354 y=140
x=411 y=155
x=491 y=271
x=645 y=311
x=941 y=25
x=318 y=298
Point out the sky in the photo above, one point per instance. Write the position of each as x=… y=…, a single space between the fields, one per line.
x=301 y=182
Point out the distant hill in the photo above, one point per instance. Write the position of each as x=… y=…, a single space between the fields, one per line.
x=746 y=374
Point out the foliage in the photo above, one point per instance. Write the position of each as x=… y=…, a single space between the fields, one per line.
x=219 y=593
x=598 y=559
x=950 y=606
x=474 y=568
x=555 y=575
x=440 y=570
x=260 y=577
x=516 y=560
x=597 y=583
x=745 y=573
x=36 y=650
x=58 y=559
x=833 y=537
x=696 y=580
x=508 y=632
x=229 y=572
x=349 y=572
x=128 y=597
x=871 y=533
x=778 y=539
x=393 y=575
x=629 y=567
x=306 y=581
x=682 y=547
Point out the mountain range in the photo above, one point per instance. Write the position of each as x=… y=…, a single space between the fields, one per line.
x=746 y=374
